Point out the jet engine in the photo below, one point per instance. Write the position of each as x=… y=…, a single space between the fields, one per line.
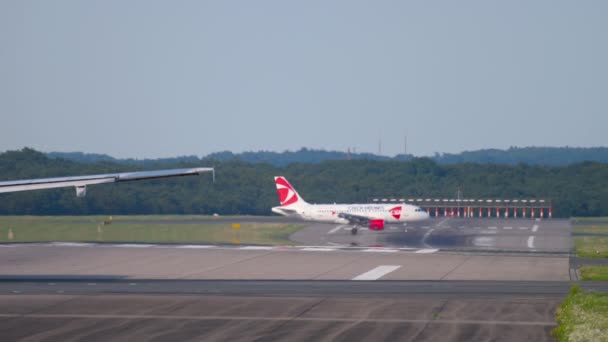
x=376 y=224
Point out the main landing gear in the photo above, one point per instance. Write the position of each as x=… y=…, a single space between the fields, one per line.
x=353 y=231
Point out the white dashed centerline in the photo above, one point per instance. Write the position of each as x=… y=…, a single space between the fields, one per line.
x=531 y=242
x=376 y=273
x=426 y=251
x=534 y=228
x=334 y=230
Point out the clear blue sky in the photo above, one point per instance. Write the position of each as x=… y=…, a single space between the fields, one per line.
x=167 y=78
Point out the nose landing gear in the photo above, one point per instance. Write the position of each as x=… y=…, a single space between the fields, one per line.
x=353 y=231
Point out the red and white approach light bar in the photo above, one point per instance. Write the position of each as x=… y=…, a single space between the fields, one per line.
x=468 y=208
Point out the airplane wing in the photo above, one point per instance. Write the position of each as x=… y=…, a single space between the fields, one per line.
x=80 y=182
x=355 y=219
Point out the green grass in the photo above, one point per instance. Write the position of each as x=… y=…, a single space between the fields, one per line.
x=145 y=229
x=594 y=272
x=592 y=229
x=591 y=246
x=583 y=316
x=589 y=219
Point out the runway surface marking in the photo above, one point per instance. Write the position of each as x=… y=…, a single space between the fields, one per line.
x=75 y=244
x=531 y=242
x=507 y=227
x=377 y=273
x=132 y=245
x=321 y=248
x=534 y=228
x=426 y=251
x=318 y=249
x=380 y=250
x=261 y=318
x=335 y=229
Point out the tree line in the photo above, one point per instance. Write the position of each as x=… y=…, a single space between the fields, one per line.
x=245 y=188
x=551 y=156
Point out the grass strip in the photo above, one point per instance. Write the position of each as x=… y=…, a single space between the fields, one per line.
x=155 y=229
x=589 y=219
x=599 y=272
x=591 y=246
x=583 y=316
x=597 y=229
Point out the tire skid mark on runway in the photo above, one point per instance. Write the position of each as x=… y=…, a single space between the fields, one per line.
x=426 y=236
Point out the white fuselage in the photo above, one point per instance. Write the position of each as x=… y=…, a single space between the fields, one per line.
x=390 y=213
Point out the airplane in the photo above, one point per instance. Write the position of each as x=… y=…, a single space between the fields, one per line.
x=372 y=215
x=80 y=182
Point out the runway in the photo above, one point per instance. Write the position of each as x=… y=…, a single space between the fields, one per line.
x=414 y=288
x=269 y=263
x=121 y=317
x=455 y=234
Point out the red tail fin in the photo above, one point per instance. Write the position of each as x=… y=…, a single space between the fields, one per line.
x=287 y=194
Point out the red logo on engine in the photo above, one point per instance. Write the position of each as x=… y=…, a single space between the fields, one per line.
x=396 y=212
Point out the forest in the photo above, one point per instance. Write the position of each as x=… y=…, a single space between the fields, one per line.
x=247 y=188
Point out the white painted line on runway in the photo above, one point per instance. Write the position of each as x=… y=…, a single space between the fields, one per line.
x=257 y=248
x=461 y=227
x=522 y=228
x=335 y=244
x=426 y=251
x=492 y=228
x=477 y=228
x=425 y=227
x=380 y=250
x=531 y=242
x=196 y=246
x=335 y=229
x=376 y=273
x=316 y=249
x=507 y=227
x=534 y=228
x=71 y=244
x=132 y=245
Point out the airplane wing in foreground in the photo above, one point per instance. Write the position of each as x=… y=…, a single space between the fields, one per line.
x=81 y=182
